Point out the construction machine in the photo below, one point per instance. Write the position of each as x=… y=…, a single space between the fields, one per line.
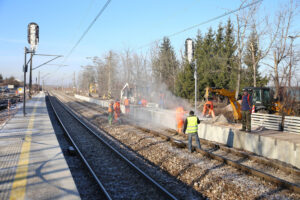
x=231 y=97
x=262 y=99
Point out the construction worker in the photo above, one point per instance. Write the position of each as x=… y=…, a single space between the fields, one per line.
x=117 y=111
x=209 y=106
x=127 y=105
x=144 y=102
x=246 y=111
x=180 y=119
x=110 y=112
x=191 y=128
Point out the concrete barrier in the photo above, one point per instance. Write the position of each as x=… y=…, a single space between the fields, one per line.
x=159 y=117
x=265 y=143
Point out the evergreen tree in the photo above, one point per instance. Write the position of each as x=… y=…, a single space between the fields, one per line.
x=185 y=82
x=165 y=68
x=230 y=65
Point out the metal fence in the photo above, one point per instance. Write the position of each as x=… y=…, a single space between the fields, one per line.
x=269 y=121
x=292 y=124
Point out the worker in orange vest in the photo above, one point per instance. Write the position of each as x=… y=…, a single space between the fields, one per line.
x=180 y=118
x=209 y=106
x=127 y=105
x=117 y=111
x=144 y=102
x=110 y=112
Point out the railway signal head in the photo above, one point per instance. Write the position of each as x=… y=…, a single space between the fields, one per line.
x=33 y=35
x=189 y=49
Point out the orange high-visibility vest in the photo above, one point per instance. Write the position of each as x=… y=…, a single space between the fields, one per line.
x=126 y=102
x=110 y=108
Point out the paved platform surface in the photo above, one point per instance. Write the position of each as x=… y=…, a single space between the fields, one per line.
x=32 y=165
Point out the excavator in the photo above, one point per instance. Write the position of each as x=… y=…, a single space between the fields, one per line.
x=262 y=100
x=231 y=97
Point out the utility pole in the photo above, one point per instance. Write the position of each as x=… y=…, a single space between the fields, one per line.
x=24 y=88
x=74 y=83
x=189 y=53
x=39 y=81
x=30 y=76
x=291 y=58
x=195 y=77
x=109 y=73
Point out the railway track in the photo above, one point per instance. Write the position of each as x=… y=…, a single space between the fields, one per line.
x=116 y=175
x=235 y=158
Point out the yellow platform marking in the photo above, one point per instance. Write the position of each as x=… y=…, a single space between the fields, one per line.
x=19 y=185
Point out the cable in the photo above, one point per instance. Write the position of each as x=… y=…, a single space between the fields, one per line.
x=205 y=22
x=86 y=31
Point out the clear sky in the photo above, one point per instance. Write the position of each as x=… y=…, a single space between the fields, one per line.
x=124 y=24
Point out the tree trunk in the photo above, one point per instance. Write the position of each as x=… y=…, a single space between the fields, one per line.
x=276 y=77
x=254 y=74
x=237 y=90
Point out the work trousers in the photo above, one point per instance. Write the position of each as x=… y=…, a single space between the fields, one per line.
x=246 y=120
x=110 y=117
x=191 y=135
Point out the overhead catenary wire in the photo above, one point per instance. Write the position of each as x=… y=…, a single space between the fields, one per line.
x=87 y=30
x=83 y=35
x=205 y=22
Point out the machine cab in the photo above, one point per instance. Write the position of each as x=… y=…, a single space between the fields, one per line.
x=261 y=97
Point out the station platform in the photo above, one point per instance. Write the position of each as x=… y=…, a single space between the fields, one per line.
x=278 y=145
x=32 y=165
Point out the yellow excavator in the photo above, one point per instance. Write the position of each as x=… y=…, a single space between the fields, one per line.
x=262 y=101
x=231 y=97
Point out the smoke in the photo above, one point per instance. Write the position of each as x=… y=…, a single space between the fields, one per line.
x=160 y=111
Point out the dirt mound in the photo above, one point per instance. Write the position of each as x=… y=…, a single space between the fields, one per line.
x=220 y=118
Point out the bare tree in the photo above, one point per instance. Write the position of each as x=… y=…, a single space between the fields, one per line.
x=243 y=19
x=261 y=41
x=281 y=49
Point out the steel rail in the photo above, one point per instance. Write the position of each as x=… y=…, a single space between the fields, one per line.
x=283 y=183
x=79 y=152
x=282 y=166
x=161 y=188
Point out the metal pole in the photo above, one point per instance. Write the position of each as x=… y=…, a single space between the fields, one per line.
x=195 y=76
x=30 y=76
x=24 y=92
x=39 y=82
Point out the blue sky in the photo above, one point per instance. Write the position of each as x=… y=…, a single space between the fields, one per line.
x=124 y=24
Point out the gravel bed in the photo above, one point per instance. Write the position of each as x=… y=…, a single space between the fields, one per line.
x=210 y=177
x=120 y=180
x=85 y=183
x=293 y=178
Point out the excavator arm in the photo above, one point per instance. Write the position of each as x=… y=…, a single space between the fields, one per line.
x=231 y=96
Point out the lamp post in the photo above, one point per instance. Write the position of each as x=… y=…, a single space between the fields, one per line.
x=291 y=57
x=189 y=53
